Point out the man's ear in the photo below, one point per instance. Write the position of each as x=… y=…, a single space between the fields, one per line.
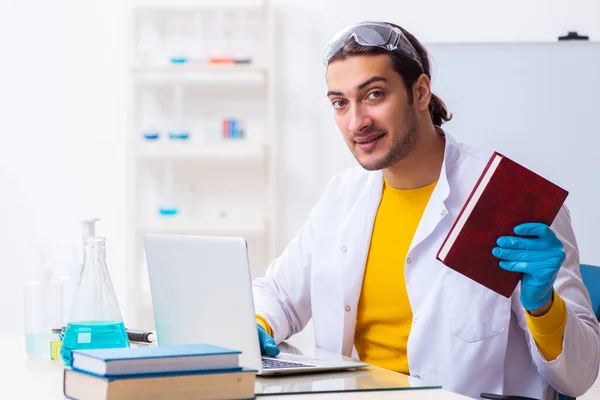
x=422 y=92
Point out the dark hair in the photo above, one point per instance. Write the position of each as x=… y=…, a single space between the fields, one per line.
x=408 y=69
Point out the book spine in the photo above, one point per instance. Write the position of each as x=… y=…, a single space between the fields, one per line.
x=462 y=210
x=65 y=384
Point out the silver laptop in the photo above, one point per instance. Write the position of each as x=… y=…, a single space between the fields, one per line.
x=202 y=293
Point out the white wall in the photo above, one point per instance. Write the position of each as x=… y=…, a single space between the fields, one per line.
x=63 y=92
x=62 y=80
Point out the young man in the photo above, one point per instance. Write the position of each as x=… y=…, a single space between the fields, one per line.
x=364 y=266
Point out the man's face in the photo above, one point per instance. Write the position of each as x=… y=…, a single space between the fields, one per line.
x=372 y=110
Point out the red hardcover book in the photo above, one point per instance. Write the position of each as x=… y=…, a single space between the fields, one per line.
x=506 y=195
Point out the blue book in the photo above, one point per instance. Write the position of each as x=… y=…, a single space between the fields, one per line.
x=155 y=359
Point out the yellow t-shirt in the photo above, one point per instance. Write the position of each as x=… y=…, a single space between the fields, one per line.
x=384 y=316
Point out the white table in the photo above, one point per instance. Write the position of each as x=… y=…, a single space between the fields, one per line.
x=24 y=378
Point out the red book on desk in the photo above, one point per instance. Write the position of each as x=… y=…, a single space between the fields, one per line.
x=506 y=195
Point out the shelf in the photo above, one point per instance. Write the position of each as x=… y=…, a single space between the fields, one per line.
x=194 y=5
x=198 y=226
x=201 y=74
x=238 y=150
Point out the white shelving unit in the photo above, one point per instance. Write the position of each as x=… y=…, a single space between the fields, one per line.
x=216 y=75
x=203 y=226
x=194 y=68
x=235 y=151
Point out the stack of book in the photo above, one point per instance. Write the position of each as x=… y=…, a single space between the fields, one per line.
x=165 y=372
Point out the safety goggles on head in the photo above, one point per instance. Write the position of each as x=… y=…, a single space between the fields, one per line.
x=375 y=34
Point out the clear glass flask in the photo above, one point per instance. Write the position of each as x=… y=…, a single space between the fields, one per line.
x=149 y=41
x=178 y=42
x=178 y=130
x=95 y=321
x=150 y=116
x=168 y=205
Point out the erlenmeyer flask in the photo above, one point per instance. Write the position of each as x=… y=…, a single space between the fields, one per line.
x=168 y=205
x=150 y=117
x=95 y=321
x=178 y=130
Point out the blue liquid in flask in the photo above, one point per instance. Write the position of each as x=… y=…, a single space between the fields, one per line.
x=92 y=335
x=168 y=211
x=179 y=135
x=151 y=135
x=179 y=60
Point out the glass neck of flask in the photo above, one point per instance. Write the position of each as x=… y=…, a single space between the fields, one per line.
x=95 y=250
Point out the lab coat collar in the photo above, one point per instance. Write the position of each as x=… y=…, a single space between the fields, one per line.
x=436 y=207
x=451 y=153
x=355 y=234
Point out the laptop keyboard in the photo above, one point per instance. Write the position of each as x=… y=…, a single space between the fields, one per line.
x=271 y=363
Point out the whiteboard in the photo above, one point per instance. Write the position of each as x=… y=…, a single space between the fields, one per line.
x=536 y=103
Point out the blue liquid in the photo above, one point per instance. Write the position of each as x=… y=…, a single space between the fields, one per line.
x=178 y=60
x=179 y=136
x=92 y=335
x=37 y=345
x=151 y=136
x=168 y=211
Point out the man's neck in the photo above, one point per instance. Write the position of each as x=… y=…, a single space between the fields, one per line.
x=422 y=166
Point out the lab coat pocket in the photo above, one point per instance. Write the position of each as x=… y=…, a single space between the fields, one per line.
x=475 y=312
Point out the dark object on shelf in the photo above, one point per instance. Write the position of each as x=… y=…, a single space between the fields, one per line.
x=573 y=35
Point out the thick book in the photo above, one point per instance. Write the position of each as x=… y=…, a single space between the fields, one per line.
x=155 y=359
x=199 y=385
x=507 y=194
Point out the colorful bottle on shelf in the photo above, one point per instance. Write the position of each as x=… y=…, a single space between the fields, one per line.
x=233 y=128
x=241 y=130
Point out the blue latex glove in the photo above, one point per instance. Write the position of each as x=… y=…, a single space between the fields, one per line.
x=268 y=347
x=538 y=256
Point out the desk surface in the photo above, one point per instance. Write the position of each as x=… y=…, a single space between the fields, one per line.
x=39 y=378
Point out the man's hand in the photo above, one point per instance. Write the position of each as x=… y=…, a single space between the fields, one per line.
x=268 y=347
x=538 y=254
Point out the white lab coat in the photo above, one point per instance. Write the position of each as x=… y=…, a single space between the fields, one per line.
x=465 y=337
